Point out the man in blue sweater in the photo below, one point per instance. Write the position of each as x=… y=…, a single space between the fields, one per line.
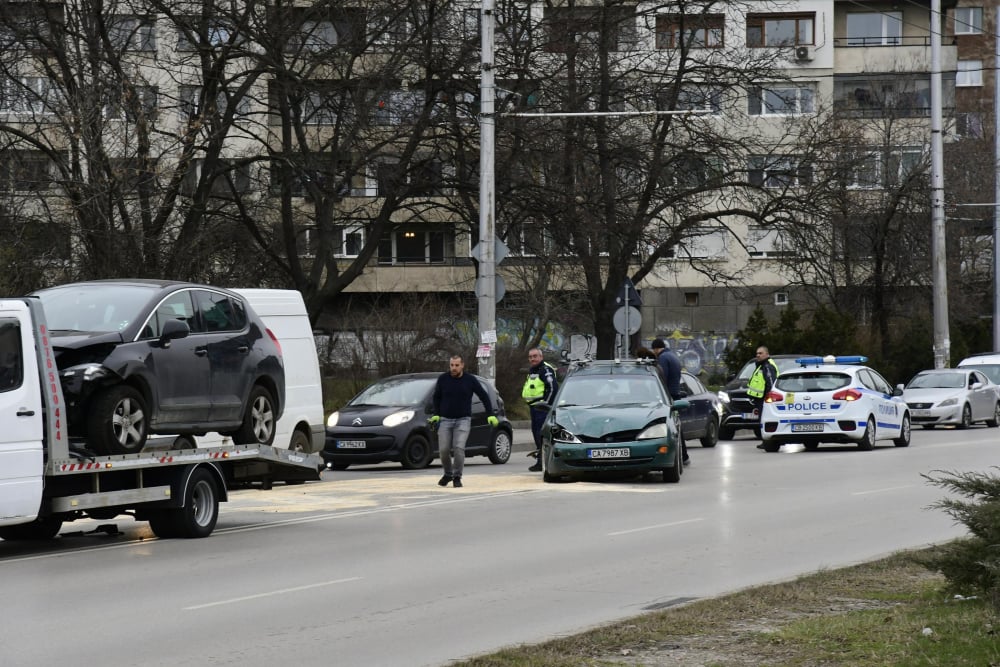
x=452 y=413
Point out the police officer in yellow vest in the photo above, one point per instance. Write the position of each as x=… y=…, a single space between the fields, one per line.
x=761 y=381
x=539 y=387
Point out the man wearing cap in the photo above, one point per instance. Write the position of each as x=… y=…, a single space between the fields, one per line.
x=670 y=365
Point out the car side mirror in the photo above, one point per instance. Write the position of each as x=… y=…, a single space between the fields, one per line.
x=681 y=403
x=898 y=391
x=976 y=385
x=172 y=330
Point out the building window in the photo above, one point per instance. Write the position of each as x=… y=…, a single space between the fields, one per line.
x=132 y=33
x=782 y=100
x=130 y=103
x=779 y=171
x=192 y=103
x=877 y=168
x=398 y=106
x=970 y=73
x=969 y=125
x=886 y=95
x=703 y=243
x=692 y=31
x=765 y=242
x=229 y=178
x=27 y=94
x=216 y=33
x=692 y=97
x=412 y=246
x=780 y=29
x=968 y=20
x=781 y=298
x=690 y=298
x=582 y=27
x=874 y=28
x=528 y=239
x=26 y=171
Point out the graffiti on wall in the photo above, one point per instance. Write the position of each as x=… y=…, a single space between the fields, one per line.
x=509 y=332
x=700 y=351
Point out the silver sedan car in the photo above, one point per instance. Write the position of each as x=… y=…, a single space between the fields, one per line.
x=958 y=396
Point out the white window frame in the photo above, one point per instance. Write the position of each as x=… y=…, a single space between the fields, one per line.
x=347 y=232
x=700 y=97
x=776 y=169
x=27 y=95
x=969 y=74
x=897 y=155
x=803 y=96
x=132 y=33
x=968 y=20
x=781 y=298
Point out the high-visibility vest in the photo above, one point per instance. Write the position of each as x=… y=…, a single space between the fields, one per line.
x=534 y=387
x=755 y=388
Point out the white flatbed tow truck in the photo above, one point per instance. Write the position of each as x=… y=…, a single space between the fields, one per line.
x=46 y=479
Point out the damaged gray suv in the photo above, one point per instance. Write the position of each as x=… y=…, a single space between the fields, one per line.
x=139 y=357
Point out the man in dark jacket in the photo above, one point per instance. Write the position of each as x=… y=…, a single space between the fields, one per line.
x=670 y=365
x=452 y=413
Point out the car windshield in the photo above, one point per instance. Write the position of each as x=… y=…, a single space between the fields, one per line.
x=94 y=308
x=818 y=381
x=606 y=390
x=937 y=381
x=396 y=392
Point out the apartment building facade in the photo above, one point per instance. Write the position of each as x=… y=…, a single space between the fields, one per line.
x=224 y=117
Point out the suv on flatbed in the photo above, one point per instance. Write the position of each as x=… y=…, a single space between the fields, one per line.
x=737 y=408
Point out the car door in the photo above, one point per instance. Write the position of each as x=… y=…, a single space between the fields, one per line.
x=228 y=345
x=479 y=436
x=887 y=410
x=983 y=405
x=178 y=368
x=21 y=415
x=694 y=417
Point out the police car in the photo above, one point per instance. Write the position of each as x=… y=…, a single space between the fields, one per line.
x=833 y=399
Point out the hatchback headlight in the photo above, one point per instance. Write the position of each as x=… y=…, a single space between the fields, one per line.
x=397 y=418
x=562 y=435
x=653 y=432
x=333 y=419
x=723 y=396
x=86 y=371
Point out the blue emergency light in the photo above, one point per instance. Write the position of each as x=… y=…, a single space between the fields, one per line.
x=830 y=359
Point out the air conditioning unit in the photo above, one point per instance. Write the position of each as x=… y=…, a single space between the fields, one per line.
x=804 y=53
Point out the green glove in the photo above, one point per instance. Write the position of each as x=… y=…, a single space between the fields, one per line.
x=492 y=421
x=433 y=419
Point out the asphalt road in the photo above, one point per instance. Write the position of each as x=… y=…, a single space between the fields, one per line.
x=380 y=566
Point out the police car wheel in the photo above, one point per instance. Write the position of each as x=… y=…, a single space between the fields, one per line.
x=867 y=442
x=904 y=433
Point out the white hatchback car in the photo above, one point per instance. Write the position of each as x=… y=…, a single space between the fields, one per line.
x=833 y=399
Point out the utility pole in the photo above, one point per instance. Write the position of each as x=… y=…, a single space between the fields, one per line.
x=942 y=341
x=486 y=284
x=996 y=189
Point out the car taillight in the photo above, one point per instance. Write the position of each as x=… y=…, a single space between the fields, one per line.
x=773 y=397
x=275 y=339
x=847 y=395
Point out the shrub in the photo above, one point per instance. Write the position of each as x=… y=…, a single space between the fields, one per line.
x=971 y=564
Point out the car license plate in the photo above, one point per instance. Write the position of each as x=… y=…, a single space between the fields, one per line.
x=921 y=413
x=751 y=415
x=807 y=428
x=351 y=444
x=616 y=453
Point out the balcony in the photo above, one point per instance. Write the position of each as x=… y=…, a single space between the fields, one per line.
x=860 y=55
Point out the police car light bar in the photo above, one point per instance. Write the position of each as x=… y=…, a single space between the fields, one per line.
x=830 y=359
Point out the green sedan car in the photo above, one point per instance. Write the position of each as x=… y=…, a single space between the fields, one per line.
x=612 y=416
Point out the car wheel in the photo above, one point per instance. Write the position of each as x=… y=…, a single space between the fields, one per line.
x=711 y=437
x=771 y=446
x=756 y=433
x=300 y=443
x=993 y=423
x=726 y=433
x=117 y=421
x=867 y=442
x=904 y=433
x=501 y=447
x=258 y=419
x=416 y=453
x=966 y=417
x=672 y=475
x=184 y=442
